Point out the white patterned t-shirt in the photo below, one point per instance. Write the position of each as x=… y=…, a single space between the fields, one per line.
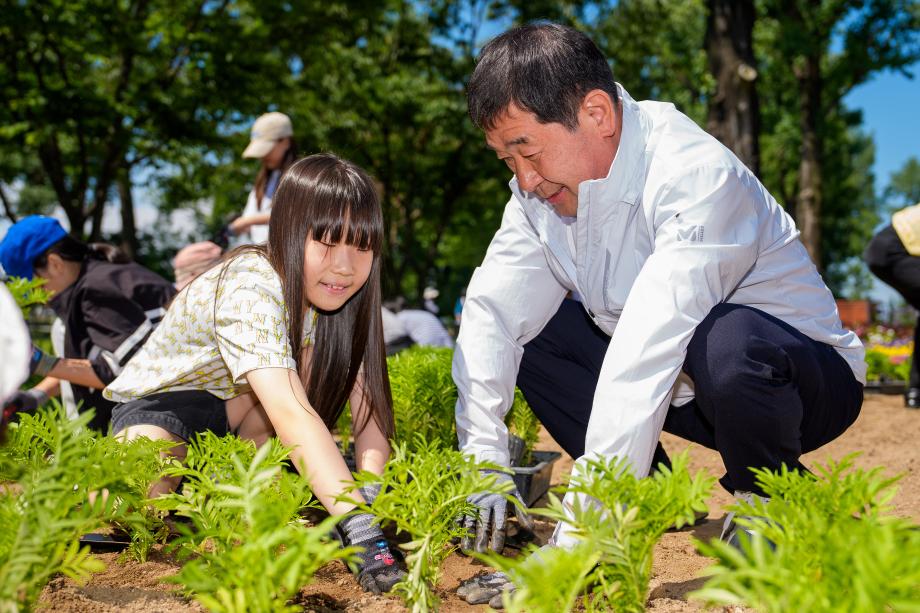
x=214 y=333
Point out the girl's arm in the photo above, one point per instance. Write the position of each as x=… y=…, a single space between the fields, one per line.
x=298 y=426
x=372 y=450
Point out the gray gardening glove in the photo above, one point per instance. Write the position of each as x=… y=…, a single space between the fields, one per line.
x=490 y=587
x=369 y=492
x=379 y=566
x=486 y=588
x=487 y=529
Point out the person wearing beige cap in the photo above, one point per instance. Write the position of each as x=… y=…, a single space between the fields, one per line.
x=272 y=141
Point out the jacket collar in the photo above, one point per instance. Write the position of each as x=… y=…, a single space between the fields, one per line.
x=624 y=181
x=60 y=303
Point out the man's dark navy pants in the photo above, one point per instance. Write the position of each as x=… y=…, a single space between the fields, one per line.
x=765 y=393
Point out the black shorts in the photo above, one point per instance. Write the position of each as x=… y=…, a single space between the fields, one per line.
x=182 y=413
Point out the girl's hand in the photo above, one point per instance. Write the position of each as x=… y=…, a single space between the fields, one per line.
x=380 y=566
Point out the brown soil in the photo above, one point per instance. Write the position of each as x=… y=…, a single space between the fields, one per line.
x=886 y=434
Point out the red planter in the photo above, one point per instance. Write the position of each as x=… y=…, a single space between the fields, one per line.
x=854 y=313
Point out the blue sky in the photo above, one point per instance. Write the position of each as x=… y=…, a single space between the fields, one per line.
x=890 y=103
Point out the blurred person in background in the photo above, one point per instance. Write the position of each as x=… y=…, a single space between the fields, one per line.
x=107 y=305
x=429 y=295
x=15 y=347
x=272 y=141
x=893 y=255
x=395 y=336
x=422 y=326
x=194 y=259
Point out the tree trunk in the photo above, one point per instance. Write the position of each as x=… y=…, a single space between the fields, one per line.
x=808 y=199
x=734 y=110
x=128 y=228
x=7 y=205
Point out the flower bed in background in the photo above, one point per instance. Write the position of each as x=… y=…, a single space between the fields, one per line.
x=888 y=356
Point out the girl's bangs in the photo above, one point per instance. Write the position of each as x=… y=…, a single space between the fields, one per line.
x=356 y=222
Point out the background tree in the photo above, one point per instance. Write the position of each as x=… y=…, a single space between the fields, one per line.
x=151 y=101
x=734 y=108
x=813 y=76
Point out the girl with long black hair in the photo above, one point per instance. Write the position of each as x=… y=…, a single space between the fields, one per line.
x=276 y=339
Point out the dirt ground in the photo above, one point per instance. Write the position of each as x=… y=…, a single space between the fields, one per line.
x=886 y=433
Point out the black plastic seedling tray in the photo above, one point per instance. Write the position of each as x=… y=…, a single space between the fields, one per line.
x=533 y=481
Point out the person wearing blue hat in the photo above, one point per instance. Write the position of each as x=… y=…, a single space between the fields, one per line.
x=107 y=304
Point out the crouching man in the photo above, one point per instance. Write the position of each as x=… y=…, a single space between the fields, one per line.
x=698 y=308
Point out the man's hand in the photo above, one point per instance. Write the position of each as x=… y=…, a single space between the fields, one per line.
x=27 y=401
x=489 y=526
x=41 y=363
x=488 y=588
x=379 y=568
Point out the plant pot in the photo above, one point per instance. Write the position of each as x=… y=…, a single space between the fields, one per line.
x=533 y=481
x=854 y=313
x=886 y=387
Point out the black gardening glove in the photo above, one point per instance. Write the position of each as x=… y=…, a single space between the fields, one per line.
x=25 y=402
x=379 y=567
x=487 y=529
x=41 y=363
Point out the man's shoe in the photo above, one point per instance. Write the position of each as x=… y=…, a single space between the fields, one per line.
x=733 y=533
x=912 y=398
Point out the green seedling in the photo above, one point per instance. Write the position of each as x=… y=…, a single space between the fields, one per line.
x=423 y=491
x=837 y=547
x=60 y=467
x=555 y=580
x=523 y=424
x=27 y=293
x=425 y=397
x=618 y=518
x=253 y=552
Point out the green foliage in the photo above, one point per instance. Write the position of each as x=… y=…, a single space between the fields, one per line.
x=904 y=186
x=72 y=481
x=837 y=547
x=656 y=49
x=523 y=423
x=253 y=553
x=549 y=580
x=424 y=396
x=618 y=518
x=424 y=488
x=27 y=293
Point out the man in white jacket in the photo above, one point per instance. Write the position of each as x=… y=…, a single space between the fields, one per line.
x=700 y=311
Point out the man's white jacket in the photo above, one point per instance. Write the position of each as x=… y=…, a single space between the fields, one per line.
x=678 y=226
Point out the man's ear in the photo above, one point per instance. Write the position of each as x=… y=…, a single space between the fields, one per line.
x=600 y=111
